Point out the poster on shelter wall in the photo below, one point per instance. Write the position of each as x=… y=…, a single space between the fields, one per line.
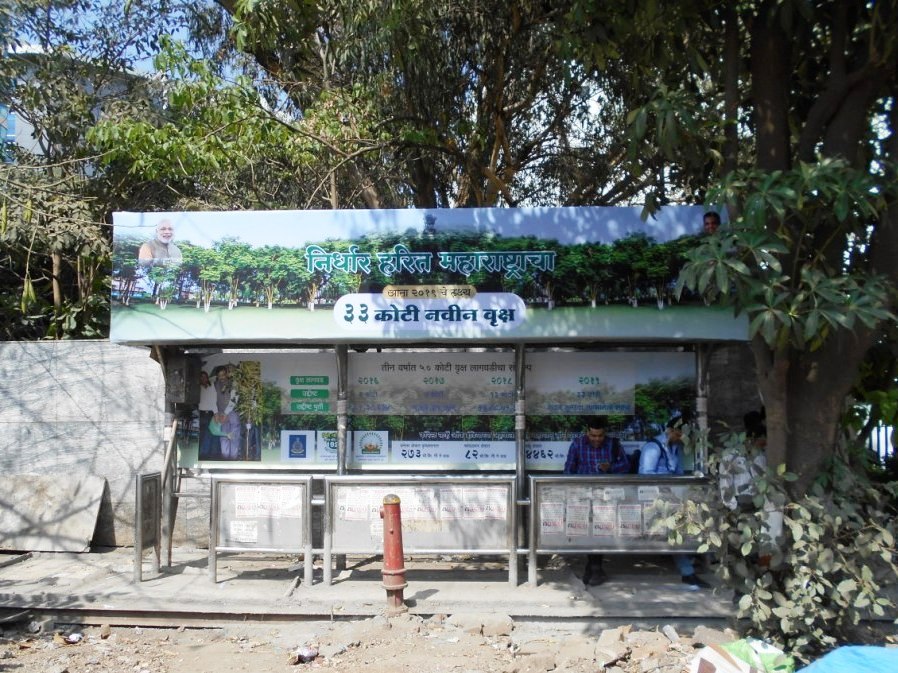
x=268 y=408
x=427 y=410
x=351 y=276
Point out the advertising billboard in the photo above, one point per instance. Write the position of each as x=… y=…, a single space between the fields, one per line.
x=380 y=276
x=426 y=410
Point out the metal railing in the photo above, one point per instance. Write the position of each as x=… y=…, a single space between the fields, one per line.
x=577 y=514
x=450 y=515
x=881 y=443
x=261 y=513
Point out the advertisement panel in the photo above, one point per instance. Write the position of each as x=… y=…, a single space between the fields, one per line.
x=350 y=276
x=427 y=410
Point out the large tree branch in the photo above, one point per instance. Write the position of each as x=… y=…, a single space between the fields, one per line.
x=838 y=117
x=827 y=107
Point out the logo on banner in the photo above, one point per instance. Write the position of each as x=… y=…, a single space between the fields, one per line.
x=297 y=446
x=371 y=444
x=329 y=442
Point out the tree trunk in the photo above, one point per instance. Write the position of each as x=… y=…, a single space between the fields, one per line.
x=731 y=67
x=772 y=374
x=818 y=389
x=771 y=72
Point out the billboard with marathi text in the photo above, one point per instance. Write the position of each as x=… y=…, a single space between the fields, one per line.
x=453 y=275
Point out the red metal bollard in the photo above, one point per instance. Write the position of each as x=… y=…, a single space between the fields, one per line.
x=394 y=561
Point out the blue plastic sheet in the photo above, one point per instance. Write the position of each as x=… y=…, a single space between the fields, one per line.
x=856 y=659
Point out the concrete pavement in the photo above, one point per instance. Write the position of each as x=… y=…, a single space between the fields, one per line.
x=99 y=587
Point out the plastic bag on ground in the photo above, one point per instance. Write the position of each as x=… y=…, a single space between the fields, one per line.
x=748 y=655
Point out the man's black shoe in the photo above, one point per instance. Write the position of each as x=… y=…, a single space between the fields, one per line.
x=695 y=582
x=593 y=578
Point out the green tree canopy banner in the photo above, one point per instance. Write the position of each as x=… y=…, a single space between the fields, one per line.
x=453 y=275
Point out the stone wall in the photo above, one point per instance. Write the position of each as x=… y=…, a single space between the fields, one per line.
x=89 y=407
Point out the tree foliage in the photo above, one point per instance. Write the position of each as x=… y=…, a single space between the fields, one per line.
x=790 y=106
x=436 y=105
x=63 y=63
x=783 y=111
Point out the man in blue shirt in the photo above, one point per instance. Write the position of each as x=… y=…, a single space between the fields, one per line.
x=663 y=455
x=595 y=453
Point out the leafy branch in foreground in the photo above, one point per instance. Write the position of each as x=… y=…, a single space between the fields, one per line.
x=779 y=260
x=809 y=573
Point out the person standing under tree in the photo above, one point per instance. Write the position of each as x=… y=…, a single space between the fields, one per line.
x=664 y=455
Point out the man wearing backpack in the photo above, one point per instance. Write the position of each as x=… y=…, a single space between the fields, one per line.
x=663 y=455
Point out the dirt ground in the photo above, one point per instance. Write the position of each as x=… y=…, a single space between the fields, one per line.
x=463 y=644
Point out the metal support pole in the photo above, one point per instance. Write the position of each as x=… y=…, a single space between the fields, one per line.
x=394 y=561
x=702 y=364
x=138 y=530
x=169 y=501
x=512 y=537
x=342 y=406
x=532 y=579
x=307 y=564
x=342 y=425
x=214 y=524
x=520 y=427
x=327 y=561
x=169 y=484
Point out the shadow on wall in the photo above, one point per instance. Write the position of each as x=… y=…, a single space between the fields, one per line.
x=78 y=409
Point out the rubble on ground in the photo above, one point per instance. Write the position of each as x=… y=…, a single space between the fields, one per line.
x=471 y=643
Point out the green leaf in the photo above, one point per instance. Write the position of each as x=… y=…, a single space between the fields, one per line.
x=721 y=278
x=704 y=279
x=846 y=586
x=739 y=267
x=641 y=122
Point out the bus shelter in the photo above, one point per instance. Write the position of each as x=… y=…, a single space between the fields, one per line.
x=447 y=355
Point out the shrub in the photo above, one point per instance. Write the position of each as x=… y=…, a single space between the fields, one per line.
x=812 y=582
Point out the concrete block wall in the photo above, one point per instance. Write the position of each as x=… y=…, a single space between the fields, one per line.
x=69 y=407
